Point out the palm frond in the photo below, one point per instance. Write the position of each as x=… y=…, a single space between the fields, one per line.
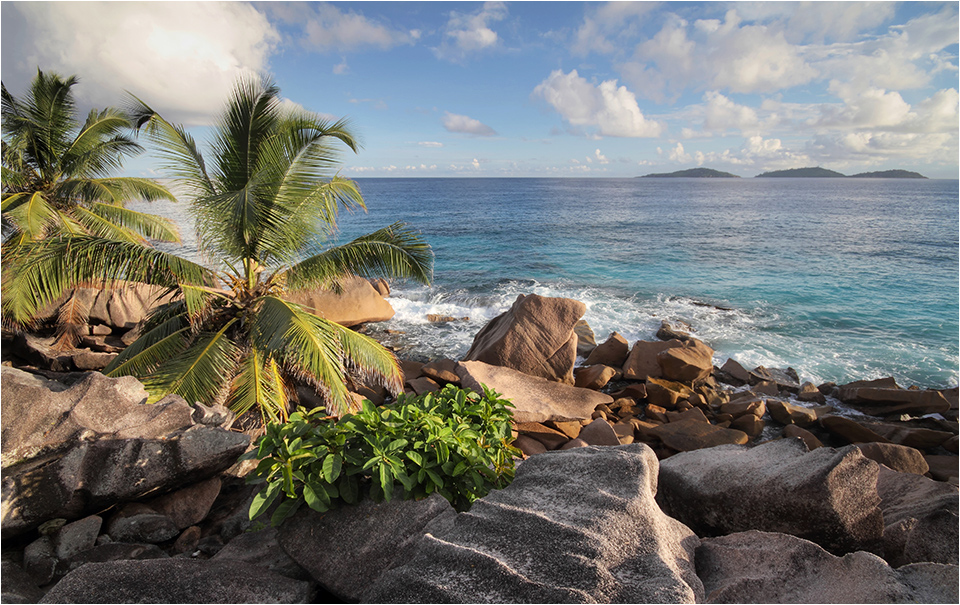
x=393 y=252
x=307 y=346
x=72 y=318
x=177 y=149
x=368 y=360
x=100 y=145
x=38 y=273
x=163 y=342
x=32 y=214
x=200 y=373
x=148 y=226
x=259 y=384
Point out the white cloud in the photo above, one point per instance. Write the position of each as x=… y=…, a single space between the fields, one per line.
x=466 y=125
x=430 y=144
x=465 y=34
x=612 y=110
x=820 y=21
x=722 y=115
x=182 y=58
x=326 y=28
x=725 y=55
x=605 y=29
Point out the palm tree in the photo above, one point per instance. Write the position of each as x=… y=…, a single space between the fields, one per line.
x=56 y=170
x=57 y=181
x=259 y=208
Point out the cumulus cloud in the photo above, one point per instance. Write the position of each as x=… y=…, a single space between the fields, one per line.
x=182 y=58
x=327 y=28
x=606 y=27
x=468 y=33
x=722 y=115
x=466 y=125
x=726 y=55
x=612 y=110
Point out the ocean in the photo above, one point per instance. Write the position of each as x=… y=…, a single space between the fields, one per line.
x=840 y=279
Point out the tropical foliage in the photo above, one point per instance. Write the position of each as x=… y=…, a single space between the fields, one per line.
x=454 y=442
x=57 y=170
x=260 y=205
x=57 y=182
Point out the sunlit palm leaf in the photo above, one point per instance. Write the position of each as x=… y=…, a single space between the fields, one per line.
x=165 y=341
x=201 y=373
x=367 y=359
x=396 y=251
x=259 y=384
x=146 y=225
x=45 y=269
x=309 y=347
x=177 y=149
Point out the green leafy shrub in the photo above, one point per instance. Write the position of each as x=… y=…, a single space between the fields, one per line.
x=455 y=442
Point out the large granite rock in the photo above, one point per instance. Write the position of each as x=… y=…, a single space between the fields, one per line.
x=762 y=567
x=177 y=580
x=690 y=362
x=535 y=336
x=884 y=397
x=122 y=306
x=534 y=399
x=575 y=526
x=920 y=518
x=347 y=548
x=72 y=451
x=827 y=496
x=643 y=360
x=358 y=303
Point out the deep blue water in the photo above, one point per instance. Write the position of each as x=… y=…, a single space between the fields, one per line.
x=841 y=279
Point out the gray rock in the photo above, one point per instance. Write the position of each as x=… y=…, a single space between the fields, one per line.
x=347 y=548
x=575 y=526
x=920 y=518
x=137 y=522
x=827 y=496
x=262 y=548
x=535 y=399
x=177 y=581
x=74 y=538
x=190 y=505
x=92 y=475
x=761 y=567
x=18 y=586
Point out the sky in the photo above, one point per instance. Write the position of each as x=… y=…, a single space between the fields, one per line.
x=531 y=89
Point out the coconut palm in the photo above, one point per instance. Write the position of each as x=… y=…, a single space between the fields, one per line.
x=260 y=208
x=57 y=181
x=57 y=170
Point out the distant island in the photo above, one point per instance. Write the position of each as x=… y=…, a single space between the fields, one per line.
x=818 y=172
x=696 y=173
x=888 y=174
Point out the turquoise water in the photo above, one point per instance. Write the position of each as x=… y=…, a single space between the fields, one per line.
x=841 y=279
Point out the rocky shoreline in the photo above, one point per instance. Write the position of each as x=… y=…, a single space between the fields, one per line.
x=649 y=475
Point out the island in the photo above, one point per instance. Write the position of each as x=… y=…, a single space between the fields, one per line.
x=697 y=173
x=888 y=174
x=816 y=172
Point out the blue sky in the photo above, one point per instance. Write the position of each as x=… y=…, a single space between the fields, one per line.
x=537 y=88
